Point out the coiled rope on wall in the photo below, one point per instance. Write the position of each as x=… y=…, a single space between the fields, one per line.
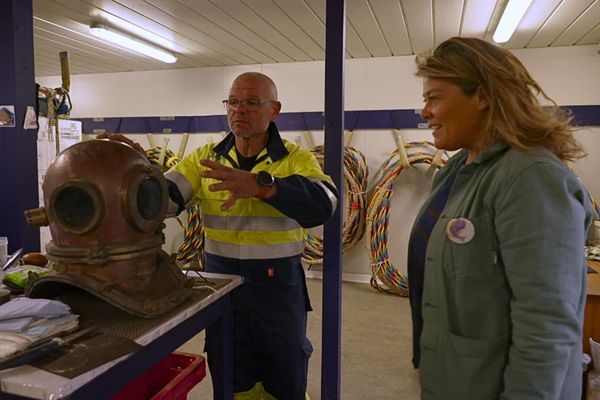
x=384 y=276
x=163 y=160
x=192 y=248
x=355 y=178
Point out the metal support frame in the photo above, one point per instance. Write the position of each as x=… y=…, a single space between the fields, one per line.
x=18 y=146
x=332 y=247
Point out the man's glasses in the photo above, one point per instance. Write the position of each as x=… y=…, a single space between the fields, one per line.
x=249 y=104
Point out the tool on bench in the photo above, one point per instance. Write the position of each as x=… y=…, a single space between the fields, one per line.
x=43 y=349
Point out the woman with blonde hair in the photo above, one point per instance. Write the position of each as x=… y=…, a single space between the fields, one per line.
x=496 y=264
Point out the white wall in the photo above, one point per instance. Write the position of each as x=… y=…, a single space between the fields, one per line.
x=569 y=75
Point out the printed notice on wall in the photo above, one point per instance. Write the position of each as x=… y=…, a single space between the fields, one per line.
x=30 y=119
x=7 y=116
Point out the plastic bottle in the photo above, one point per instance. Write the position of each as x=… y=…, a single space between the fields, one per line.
x=3 y=250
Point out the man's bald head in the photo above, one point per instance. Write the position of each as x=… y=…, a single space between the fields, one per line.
x=257 y=77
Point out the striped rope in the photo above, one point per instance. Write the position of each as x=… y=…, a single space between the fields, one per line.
x=169 y=161
x=355 y=179
x=384 y=276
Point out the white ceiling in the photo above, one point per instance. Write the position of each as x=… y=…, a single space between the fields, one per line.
x=209 y=33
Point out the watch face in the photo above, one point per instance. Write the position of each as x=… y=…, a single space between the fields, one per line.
x=264 y=178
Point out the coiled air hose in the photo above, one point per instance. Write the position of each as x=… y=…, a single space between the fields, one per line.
x=355 y=179
x=384 y=276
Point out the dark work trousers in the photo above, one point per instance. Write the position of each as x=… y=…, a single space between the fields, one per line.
x=270 y=309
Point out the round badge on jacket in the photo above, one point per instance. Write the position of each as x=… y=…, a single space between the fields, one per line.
x=460 y=230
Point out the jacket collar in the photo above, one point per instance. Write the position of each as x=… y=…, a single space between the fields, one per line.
x=275 y=147
x=489 y=152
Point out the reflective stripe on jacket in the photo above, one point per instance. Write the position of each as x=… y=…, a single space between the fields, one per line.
x=252 y=228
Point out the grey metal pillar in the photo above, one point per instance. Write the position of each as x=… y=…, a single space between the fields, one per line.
x=18 y=149
x=332 y=247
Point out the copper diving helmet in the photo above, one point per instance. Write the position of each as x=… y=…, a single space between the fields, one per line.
x=105 y=205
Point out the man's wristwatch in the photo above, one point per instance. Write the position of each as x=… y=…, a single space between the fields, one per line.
x=265 y=180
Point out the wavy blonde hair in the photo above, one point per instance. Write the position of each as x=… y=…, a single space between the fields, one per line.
x=515 y=114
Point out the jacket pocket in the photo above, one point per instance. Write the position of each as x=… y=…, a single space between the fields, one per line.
x=455 y=367
x=474 y=367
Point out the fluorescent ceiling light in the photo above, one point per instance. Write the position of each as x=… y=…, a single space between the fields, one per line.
x=124 y=40
x=132 y=29
x=512 y=15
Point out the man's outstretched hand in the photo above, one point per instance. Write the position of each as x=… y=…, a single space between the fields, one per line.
x=240 y=184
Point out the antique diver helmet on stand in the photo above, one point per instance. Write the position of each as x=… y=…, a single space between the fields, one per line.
x=105 y=205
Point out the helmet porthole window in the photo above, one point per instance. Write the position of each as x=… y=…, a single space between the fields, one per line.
x=146 y=198
x=76 y=207
x=149 y=198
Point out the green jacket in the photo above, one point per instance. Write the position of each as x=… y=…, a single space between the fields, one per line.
x=503 y=312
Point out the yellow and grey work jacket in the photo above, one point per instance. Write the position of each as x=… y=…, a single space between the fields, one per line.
x=253 y=228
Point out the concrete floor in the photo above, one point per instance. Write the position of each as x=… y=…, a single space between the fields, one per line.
x=376 y=346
